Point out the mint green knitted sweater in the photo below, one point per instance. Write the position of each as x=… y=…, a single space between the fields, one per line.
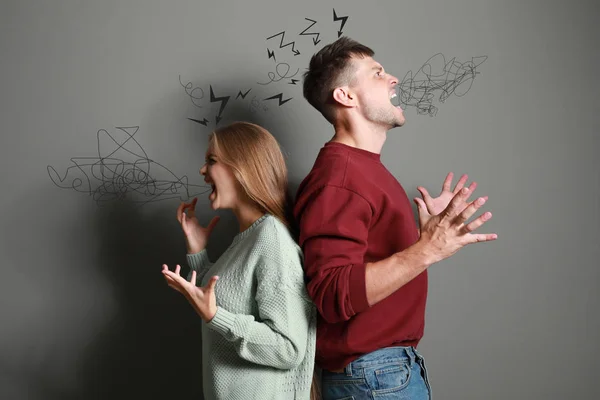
x=261 y=342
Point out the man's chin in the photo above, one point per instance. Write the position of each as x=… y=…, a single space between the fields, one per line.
x=399 y=120
x=398 y=123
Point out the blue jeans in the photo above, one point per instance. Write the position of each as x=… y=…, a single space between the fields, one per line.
x=389 y=373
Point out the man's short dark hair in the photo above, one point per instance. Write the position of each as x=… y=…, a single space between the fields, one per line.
x=330 y=68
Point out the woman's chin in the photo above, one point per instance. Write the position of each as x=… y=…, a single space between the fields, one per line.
x=212 y=198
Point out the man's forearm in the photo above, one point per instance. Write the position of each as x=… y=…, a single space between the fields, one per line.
x=384 y=277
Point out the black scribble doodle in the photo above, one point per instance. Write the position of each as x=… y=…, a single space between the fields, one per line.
x=223 y=100
x=281 y=45
x=195 y=93
x=243 y=95
x=279 y=97
x=258 y=105
x=203 y=122
x=315 y=39
x=343 y=19
x=437 y=79
x=282 y=71
x=108 y=177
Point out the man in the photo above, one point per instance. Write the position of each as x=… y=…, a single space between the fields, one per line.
x=365 y=259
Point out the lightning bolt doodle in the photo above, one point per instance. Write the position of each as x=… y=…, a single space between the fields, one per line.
x=293 y=81
x=279 y=97
x=281 y=45
x=343 y=19
x=243 y=95
x=271 y=54
x=203 y=122
x=223 y=100
x=303 y=33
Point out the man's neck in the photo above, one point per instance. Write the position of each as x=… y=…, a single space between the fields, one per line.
x=364 y=137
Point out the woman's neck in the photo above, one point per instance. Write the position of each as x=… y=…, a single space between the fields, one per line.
x=247 y=215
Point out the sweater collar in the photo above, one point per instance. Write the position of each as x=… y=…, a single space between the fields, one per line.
x=355 y=150
x=242 y=235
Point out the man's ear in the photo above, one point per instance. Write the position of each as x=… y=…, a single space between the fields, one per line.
x=344 y=96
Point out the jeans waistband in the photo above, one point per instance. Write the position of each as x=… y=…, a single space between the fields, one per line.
x=382 y=356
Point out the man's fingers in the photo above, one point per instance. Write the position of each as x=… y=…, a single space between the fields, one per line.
x=177 y=269
x=448 y=182
x=472 y=187
x=420 y=203
x=421 y=207
x=424 y=193
x=470 y=210
x=426 y=196
x=193 y=278
x=482 y=237
x=457 y=204
x=460 y=184
x=422 y=211
x=471 y=226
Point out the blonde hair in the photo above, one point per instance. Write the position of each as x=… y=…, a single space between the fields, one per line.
x=258 y=164
x=255 y=157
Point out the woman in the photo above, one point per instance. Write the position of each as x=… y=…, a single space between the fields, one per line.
x=258 y=335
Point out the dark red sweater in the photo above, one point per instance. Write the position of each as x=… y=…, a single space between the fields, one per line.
x=351 y=211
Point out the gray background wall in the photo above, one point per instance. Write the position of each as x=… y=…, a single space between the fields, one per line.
x=85 y=312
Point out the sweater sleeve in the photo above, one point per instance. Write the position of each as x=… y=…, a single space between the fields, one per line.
x=334 y=228
x=200 y=263
x=278 y=337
